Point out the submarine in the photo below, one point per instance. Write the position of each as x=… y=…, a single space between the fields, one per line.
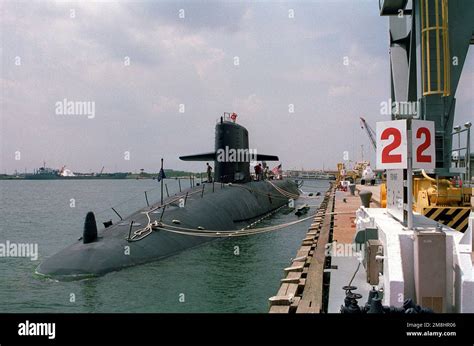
x=232 y=202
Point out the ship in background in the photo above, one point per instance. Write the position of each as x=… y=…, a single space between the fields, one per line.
x=310 y=174
x=46 y=173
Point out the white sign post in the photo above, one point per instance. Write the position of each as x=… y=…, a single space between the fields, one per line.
x=395 y=191
x=401 y=146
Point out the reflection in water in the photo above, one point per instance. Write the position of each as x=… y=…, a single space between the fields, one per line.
x=90 y=295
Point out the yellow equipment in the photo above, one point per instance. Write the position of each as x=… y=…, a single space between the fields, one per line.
x=439 y=199
x=442 y=200
x=354 y=173
x=383 y=195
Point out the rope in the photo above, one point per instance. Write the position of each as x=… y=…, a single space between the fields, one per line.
x=231 y=233
x=242 y=229
x=290 y=194
x=283 y=192
x=266 y=194
x=146 y=231
x=143 y=232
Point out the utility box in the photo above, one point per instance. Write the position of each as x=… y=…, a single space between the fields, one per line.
x=373 y=267
x=430 y=269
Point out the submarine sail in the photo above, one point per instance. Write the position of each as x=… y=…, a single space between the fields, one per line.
x=231 y=155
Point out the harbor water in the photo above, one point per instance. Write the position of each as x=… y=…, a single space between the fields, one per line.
x=226 y=275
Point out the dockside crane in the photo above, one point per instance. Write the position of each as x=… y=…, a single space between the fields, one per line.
x=369 y=130
x=429 y=44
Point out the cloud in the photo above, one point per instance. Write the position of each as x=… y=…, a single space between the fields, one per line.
x=196 y=15
x=189 y=61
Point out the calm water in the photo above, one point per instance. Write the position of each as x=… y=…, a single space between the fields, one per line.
x=210 y=277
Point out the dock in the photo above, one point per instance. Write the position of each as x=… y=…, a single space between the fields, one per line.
x=305 y=286
x=301 y=289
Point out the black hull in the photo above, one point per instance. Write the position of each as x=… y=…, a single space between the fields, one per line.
x=223 y=209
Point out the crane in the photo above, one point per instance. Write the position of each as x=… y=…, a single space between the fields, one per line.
x=436 y=197
x=370 y=131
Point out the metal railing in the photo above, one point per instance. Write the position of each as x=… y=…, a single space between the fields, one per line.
x=462 y=162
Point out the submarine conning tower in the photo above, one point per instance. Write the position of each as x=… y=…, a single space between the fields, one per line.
x=231 y=154
x=231 y=140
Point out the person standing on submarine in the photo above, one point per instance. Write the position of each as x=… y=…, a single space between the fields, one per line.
x=209 y=173
x=258 y=172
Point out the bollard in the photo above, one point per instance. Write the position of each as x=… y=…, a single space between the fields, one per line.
x=365 y=197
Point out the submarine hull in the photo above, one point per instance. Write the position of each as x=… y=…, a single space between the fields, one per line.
x=221 y=207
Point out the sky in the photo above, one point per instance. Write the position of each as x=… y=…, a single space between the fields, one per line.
x=159 y=75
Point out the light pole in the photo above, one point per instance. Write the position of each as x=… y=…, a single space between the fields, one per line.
x=458 y=153
x=468 y=152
